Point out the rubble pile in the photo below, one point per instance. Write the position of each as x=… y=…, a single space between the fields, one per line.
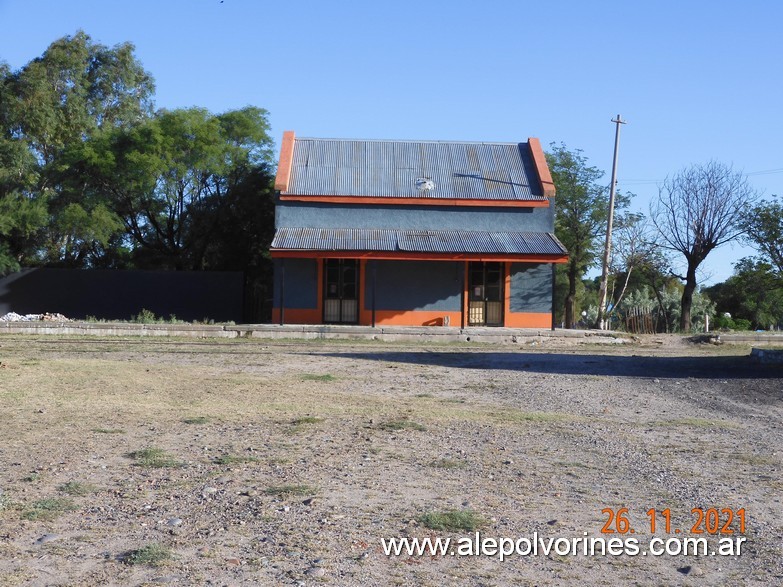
x=47 y=317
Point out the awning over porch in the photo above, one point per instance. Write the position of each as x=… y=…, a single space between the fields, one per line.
x=418 y=244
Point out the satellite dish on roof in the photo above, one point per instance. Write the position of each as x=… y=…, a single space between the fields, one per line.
x=425 y=184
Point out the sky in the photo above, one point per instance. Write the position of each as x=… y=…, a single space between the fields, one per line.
x=696 y=80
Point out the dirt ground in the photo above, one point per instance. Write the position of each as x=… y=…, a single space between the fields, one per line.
x=174 y=462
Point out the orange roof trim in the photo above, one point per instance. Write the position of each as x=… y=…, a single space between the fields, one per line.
x=419 y=201
x=286 y=161
x=539 y=160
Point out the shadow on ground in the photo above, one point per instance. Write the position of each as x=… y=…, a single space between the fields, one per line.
x=713 y=367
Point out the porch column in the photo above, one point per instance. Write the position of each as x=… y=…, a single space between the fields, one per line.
x=374 y=281
x=553 y=297
x=282 y=291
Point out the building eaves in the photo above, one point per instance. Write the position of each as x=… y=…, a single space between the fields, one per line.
x=417 y=241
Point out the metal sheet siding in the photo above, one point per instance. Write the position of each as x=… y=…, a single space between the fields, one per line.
x=418 y=241
x=491 y=171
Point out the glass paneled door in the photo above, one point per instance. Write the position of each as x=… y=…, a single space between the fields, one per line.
x=341 y=291
x=485 y=294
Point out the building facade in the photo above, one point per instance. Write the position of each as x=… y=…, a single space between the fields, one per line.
x=414 y=233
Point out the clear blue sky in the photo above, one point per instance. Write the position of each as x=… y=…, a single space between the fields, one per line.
x=697 y=80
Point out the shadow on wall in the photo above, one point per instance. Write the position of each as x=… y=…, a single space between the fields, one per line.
x=712 y=367
x=118 y=295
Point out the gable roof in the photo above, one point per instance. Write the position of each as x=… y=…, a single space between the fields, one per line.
x=393 y=170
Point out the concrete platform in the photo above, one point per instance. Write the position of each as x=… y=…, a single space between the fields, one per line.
x=434 y=334
x=431 y=334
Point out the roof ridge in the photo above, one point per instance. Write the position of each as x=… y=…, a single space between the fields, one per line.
x=507 y=143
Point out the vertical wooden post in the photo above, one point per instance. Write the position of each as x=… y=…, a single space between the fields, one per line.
x=282 y=292
x=553 y=297
x=374 y=283
x=462 y=294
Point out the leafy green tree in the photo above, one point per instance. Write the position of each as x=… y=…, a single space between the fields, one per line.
x=174 y=179
x=753 y=293
x=47 y=108
x=23 y=211
x=763 y=227
x=74 y=88
x=581 y=213
x=697 y=210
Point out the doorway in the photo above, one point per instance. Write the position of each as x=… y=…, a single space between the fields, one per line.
x=485 y=294
x=341 y=291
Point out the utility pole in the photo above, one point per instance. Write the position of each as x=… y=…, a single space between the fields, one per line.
x=608 y=246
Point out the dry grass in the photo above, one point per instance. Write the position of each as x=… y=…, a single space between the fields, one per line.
x=318 y=465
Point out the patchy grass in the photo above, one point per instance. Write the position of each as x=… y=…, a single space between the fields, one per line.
x=322 y=378
x=152 y=555
x=48 y=509
x=295 y=490
x=452 y=521
x=196 y=420
x=540 y=417
x=404 y=424
x=155 y=458
x=300 y=424
x=696 y=423
x=307 y=420
x=234 y=460
x=77 y=489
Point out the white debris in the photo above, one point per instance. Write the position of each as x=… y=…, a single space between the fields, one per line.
x=47 y=317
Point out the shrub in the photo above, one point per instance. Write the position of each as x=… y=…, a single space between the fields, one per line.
x=452 y=521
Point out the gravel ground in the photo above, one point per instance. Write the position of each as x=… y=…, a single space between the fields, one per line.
x=286 y=463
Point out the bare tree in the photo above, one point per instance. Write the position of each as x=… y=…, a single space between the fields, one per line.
x=636 y=246
x=698 y=210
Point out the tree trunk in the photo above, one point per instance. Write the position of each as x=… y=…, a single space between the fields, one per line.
x=570 y=300
x=687 y=298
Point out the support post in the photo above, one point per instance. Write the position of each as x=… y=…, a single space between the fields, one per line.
x=282 y=292
x=553 y=297
x=374 y=282
x=462 y=294
x=608 y=244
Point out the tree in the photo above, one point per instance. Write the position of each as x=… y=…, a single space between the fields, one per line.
x=698 y=210
x=753 y=293
x=47 y=108
x=171 y=180
x=635 y=248
x=581 y=214
x=763 y=228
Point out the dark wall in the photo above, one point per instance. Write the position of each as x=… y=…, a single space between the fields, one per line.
x=531 y=287
x=301 y=283
x=117 y=295
x=415 y=285
x=321 y=215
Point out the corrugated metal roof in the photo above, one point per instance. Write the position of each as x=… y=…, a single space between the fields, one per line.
x=417 y=241
x=337 y=167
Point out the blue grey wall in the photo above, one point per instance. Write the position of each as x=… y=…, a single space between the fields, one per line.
x=321 y=215
x=301 y=283
x=531 y=287
x=415 y=285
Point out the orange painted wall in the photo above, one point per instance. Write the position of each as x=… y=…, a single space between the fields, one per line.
x=402 y=318
x=298 y=316
x=528 y=320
